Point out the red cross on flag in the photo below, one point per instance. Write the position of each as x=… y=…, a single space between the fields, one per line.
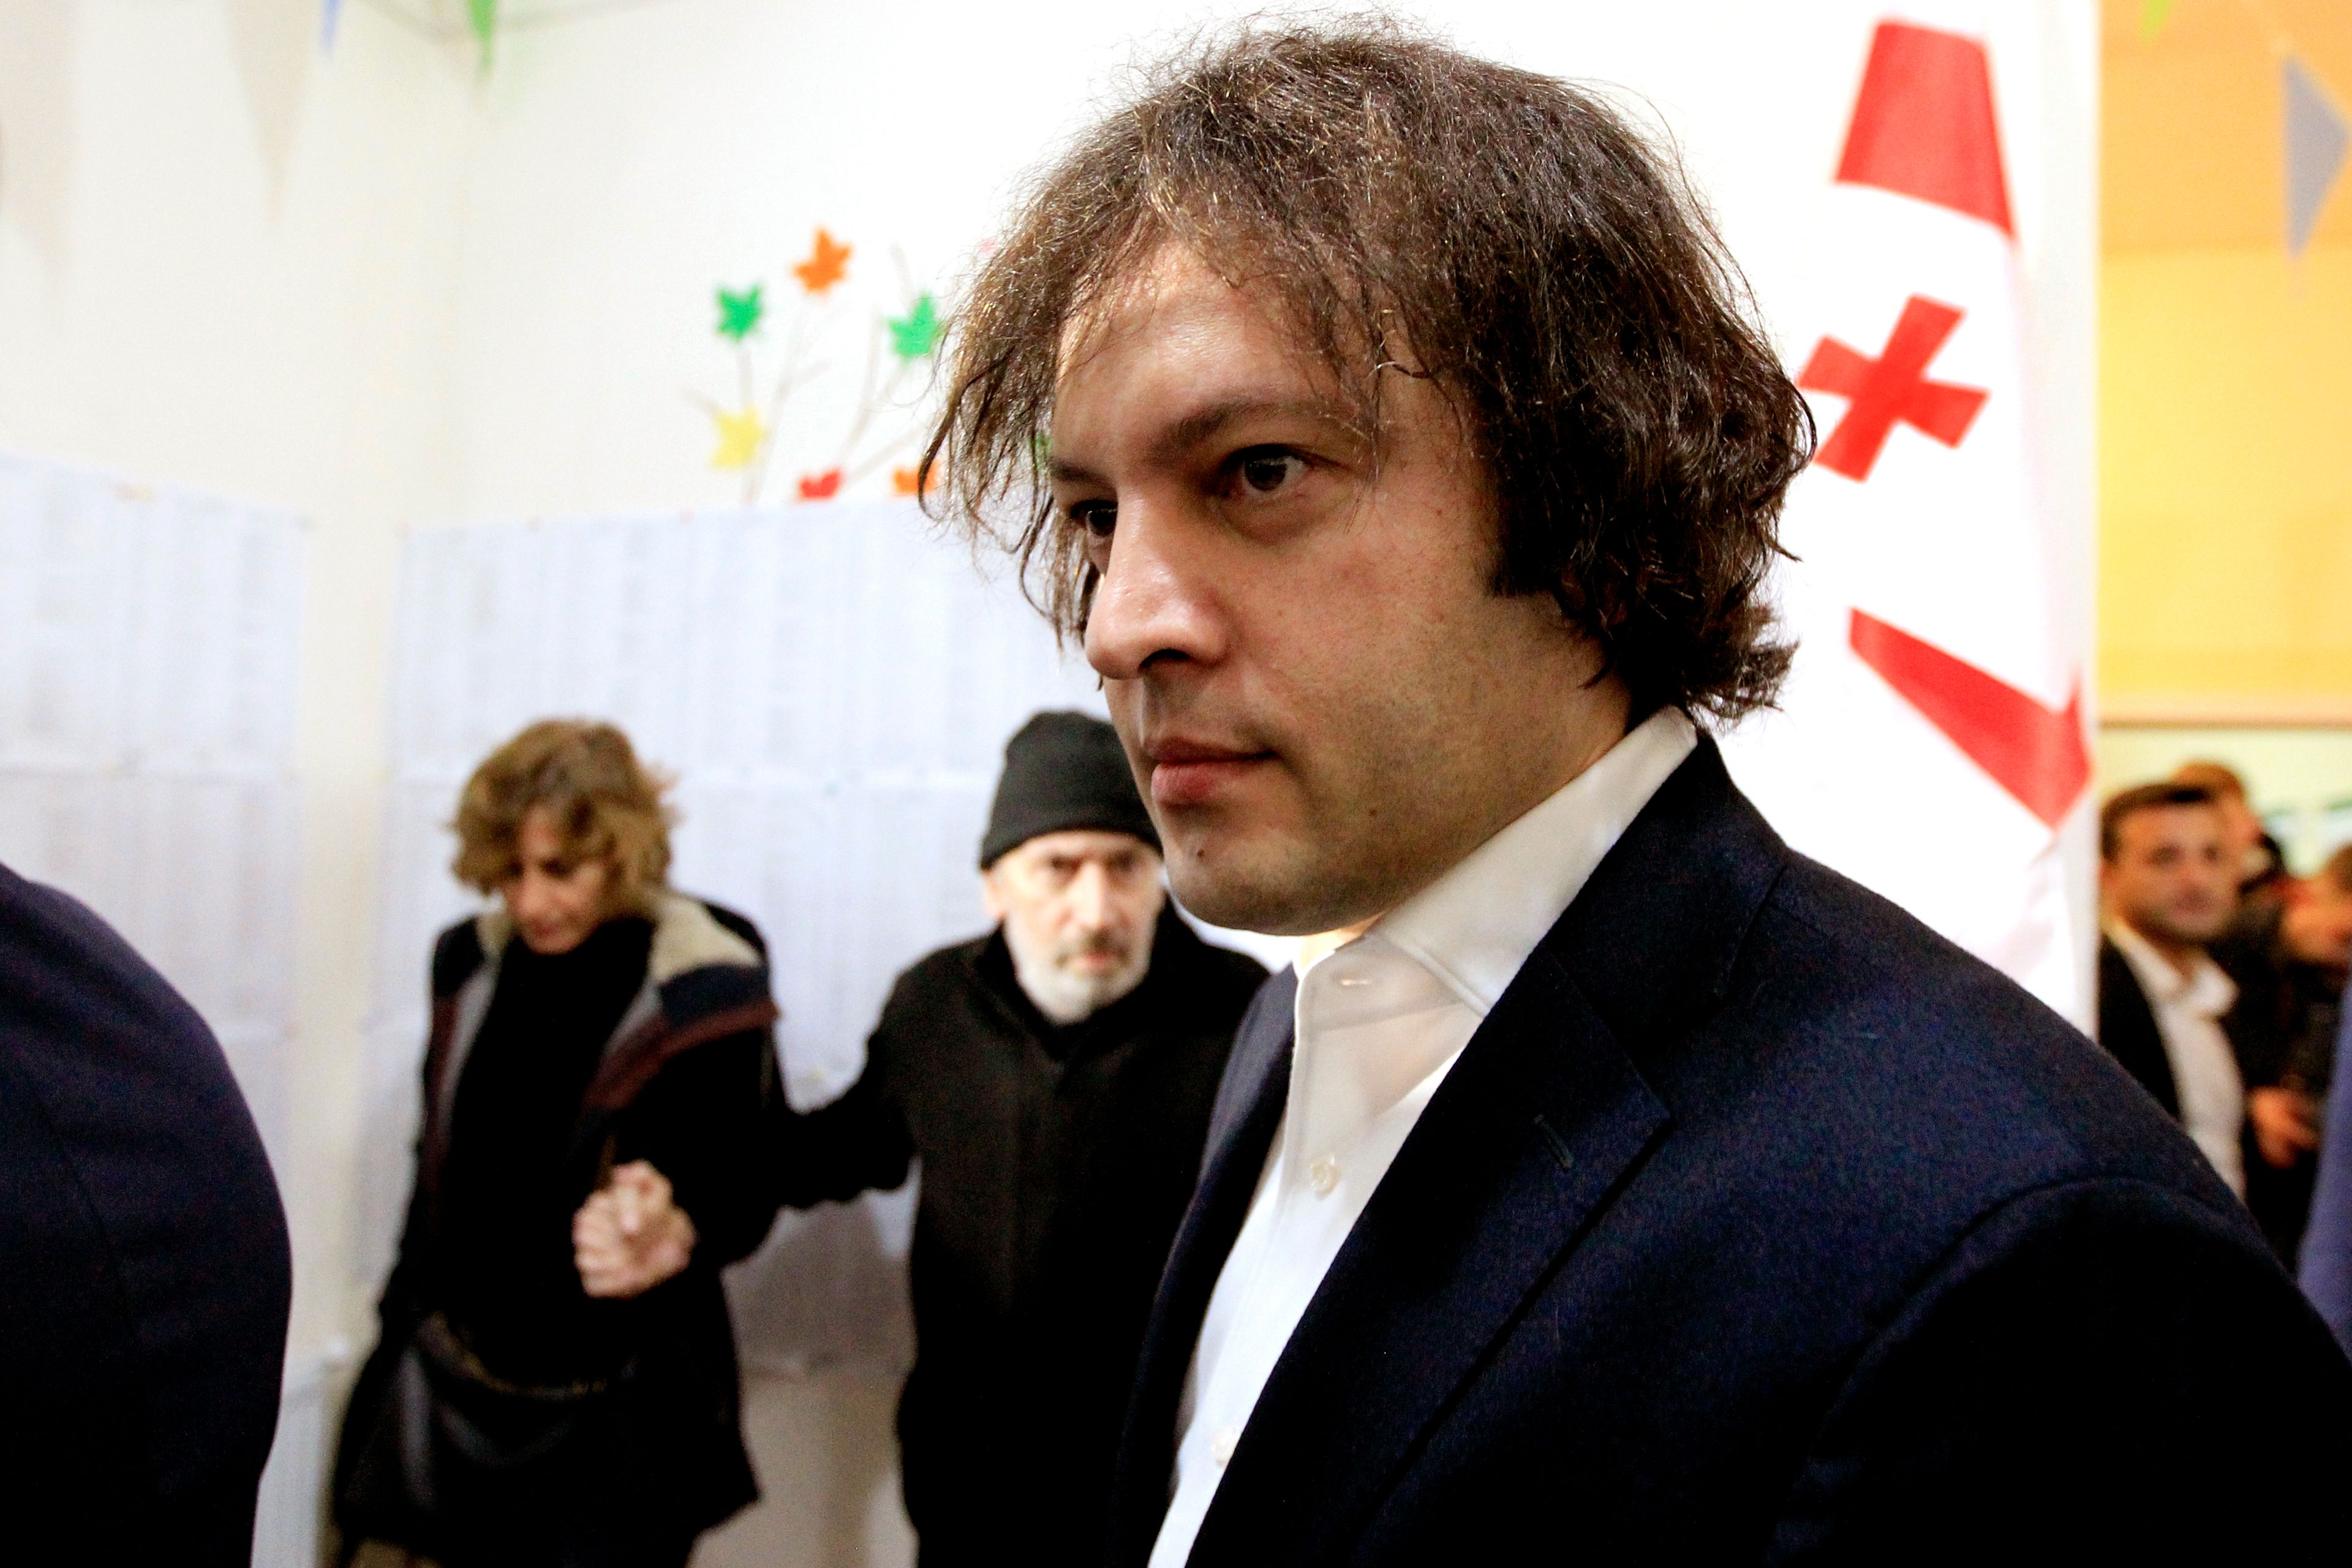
x=1931 y=741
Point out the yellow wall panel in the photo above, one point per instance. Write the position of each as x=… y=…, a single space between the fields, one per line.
x=2225 y=555
x=2225 y=398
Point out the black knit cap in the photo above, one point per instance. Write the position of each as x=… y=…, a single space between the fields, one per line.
x=1063 y=771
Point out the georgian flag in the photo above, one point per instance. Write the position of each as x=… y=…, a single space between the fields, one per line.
x=1931 y=741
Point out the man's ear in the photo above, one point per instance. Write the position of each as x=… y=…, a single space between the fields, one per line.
x=991 y=900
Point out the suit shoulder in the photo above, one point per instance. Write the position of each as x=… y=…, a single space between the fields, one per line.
x=61 y=964
x=1936 y=1050
x=1859 y=951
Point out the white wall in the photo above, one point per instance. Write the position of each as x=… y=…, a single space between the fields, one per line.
x=639 y=161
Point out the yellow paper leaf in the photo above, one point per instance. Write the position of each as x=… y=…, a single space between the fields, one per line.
x=740 y=436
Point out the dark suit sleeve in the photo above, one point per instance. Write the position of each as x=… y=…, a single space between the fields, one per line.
x=2101 y=1371
x=856 y=1143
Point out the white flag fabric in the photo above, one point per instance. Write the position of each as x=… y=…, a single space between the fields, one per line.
x=1930 y=743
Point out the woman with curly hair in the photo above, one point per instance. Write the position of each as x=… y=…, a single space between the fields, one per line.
x=589 y=1026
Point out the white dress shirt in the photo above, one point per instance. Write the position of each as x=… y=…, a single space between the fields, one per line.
x=2188 y=1009
x=1379 y=1023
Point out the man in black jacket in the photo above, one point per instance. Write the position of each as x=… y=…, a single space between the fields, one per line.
x=1055 y=1078
x=144 y=1273
x=1608 y=1182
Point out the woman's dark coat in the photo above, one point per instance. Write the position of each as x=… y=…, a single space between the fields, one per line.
x=684 y=1082
x=1057 y=1163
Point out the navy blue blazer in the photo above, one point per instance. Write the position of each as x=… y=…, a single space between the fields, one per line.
x=1758 y=1222
x=143 y=1264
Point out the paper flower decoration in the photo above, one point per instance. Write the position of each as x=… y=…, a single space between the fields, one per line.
x=784 y=344
x=917 y=332
x=741 y=434
x=826 y=265
x=740 y=313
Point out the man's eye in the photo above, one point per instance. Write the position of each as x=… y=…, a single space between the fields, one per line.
x=1096 y=517
x=1270 y=469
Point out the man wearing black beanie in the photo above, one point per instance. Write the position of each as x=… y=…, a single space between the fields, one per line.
x=1054 y=1078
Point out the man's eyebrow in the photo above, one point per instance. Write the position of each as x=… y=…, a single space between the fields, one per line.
x=1199 y=427
x=1204 y=425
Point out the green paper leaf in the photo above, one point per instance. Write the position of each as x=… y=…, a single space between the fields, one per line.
x=483 y=15
x=2153 y=15
x=917 y=332
x=740 y=313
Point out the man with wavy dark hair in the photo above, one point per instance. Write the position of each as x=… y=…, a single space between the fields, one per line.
x=1392 y=427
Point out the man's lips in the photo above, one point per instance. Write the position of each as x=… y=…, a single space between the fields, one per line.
x=1193 y=772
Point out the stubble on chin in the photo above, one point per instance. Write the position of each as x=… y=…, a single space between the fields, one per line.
x=1258 y=877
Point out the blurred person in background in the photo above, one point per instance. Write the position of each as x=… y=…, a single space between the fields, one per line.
x=2167 y=888
x=2288 y=957
x=144 y=1269
x=2256 y=860
x=1055 y=1078
x=2325 y=1266
x=590 y=1028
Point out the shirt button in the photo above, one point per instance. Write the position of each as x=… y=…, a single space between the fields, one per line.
x=1222 y=1446
x=1323 y=1175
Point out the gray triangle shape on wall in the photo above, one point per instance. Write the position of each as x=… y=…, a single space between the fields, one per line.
x=2315 y=140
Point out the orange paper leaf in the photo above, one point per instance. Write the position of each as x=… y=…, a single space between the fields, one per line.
x=906 y=482
x=826 y=265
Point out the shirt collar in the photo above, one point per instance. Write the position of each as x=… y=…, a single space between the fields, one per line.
x=1476 y=925
x=2205 y=990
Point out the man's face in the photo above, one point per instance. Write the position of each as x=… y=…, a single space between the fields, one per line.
x=1079 y=910
x=2171 y=879
x=1325 y=703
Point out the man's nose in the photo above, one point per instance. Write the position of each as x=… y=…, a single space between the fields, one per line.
x=1090 y=899
x=1152 y=601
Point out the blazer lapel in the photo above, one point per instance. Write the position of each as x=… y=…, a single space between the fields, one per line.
x=1543 y=1119
x=1249 y=1105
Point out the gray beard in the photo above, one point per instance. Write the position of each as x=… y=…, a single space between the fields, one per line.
x=1065 y=997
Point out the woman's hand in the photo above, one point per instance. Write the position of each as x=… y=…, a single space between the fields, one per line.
x=631 y=1236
